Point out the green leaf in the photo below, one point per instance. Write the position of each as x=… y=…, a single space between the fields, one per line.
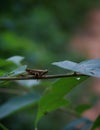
x=6 y=65
x=16 y=59
x=55 y=97
x=10 y=64
x=18 y=71
x=88 y=67
x=17 y=103
x=3 y=62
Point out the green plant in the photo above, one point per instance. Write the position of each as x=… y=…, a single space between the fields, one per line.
x=54 y=96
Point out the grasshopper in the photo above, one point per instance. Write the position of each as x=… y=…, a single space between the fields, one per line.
x=36 y=72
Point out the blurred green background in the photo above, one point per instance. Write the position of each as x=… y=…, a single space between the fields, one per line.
x=40 y=31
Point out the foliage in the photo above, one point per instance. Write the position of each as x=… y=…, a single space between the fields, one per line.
x=54 y=96
x=89 y=67
x=17 y=103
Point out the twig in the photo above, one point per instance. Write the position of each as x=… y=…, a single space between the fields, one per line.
x=28 y=77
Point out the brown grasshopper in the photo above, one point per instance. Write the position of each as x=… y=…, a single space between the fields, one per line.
x=36 y=72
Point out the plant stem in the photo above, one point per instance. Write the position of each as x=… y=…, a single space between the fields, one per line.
x=28 y=77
